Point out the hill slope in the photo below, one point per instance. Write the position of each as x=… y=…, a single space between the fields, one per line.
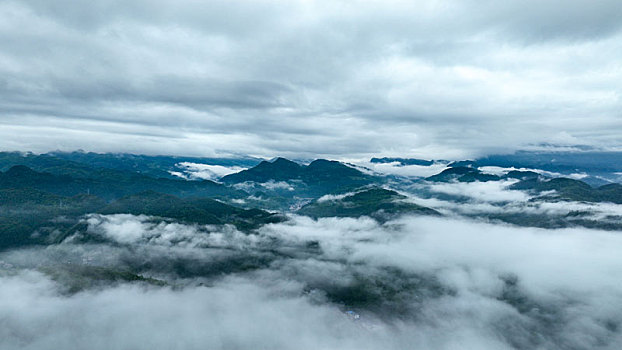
x=110 y=184
x=379 y=203
x=316 y=179
x=570 y=189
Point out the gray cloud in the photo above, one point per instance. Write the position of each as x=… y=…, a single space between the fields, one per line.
x=339 y=79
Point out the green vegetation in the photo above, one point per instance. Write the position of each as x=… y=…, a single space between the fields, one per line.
x=76 y=278
x=469 y=174
x=280 y=169
x=378 y=203
x=602 y=167
x=42 y=208
x=552 y=221
x=105 y=183
x=91 y=165
x=43 y=198
x=522 y=175
x=192 y=210
x=462 y=174
x=573 y=190
x=389 y=290
x=31 y=216
x=314 y=180
x=153 y=166
x=43 y=218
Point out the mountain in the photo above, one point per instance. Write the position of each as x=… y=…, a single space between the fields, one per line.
x=462 y=163
x=40 y=207
x=89 y=164
x=564 y=188
x=316 y=179
x=562 y=162
x=76 y=278
x=50 y=164
x=469 y=174
x=110 y=184
x=27 y=196
x=462 y=174
x=597 y=167
x=402 y=161
x=43 y=198
x=379 y=203
x=192 y=210
x=30 y=216
x=570 y=189
x=522 y=175
x=280 y=169
x=601 y=167
x=334 y=176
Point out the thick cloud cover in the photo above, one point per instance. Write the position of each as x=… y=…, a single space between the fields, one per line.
x=415 y=282
x=309 y=78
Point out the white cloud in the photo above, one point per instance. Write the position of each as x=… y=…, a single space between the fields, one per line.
x=235 y=314
x=395 y=168
x=496 y=170
x=269 y=185
x=499 y=286
x=205 y=171
x=489 y=191
x=130 y=229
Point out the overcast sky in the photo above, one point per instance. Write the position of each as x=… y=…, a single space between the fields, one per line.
x=340 y=79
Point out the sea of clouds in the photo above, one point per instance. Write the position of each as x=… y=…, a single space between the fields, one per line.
x=334 y=283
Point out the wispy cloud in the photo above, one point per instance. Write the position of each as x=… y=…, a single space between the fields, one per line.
x=205 y=171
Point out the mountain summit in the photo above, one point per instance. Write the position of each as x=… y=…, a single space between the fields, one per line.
x=321 y=175
x=280 y=169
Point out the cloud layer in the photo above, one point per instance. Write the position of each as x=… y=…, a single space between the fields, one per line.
x=298 y=78
x=416 y=282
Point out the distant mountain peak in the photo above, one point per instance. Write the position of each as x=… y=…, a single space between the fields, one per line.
x=325 y=163
x=402 y=161
x=17 y=170
x=281 y=160
x=326 y=174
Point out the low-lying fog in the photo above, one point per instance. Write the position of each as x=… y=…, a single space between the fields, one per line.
x=411 y=283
